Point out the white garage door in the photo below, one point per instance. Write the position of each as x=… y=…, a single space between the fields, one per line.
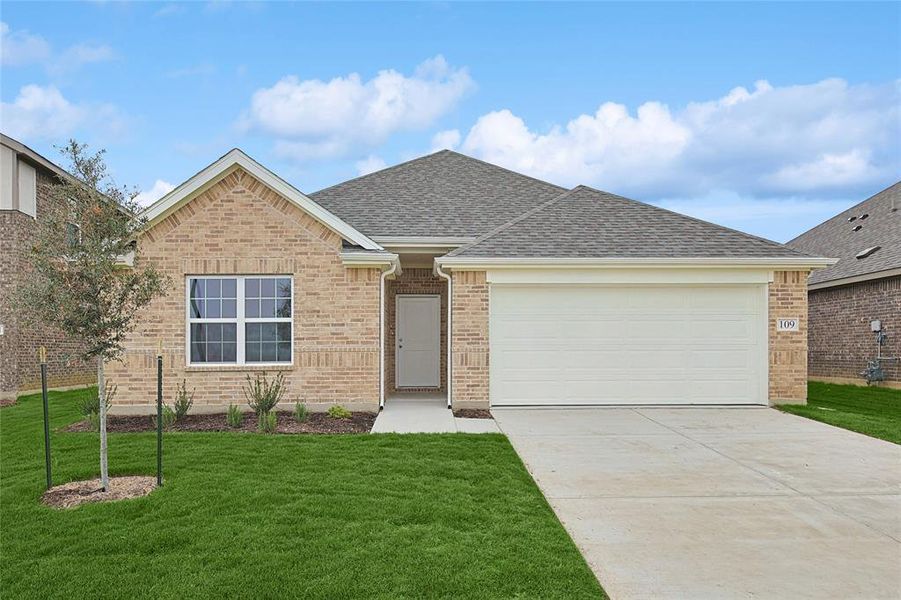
x=570 y=345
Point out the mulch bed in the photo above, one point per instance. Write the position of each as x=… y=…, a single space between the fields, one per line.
x=359 y=422
x=473 y=413
x=76 y=493
x=7 y=402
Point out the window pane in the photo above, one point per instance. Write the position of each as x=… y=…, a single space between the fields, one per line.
x=252 y=332
x=252 y=288
x=229 y=288
x=229 y=352
x=252 y=352
x=268 y=352
x=252 y=308
x=283 y=332
x=268 y=332
x=198 y=353
x=229 y=309
x=229 y=332
x=214 y=342
x=214 y=352
x=197 y=333
x=213 y=309
x=213 y=332
x=267 y=288
x=284 y=288
x=267 y=309
x=284 y=352
x=197 y=288
x=196 y=308
x=284 y=308
x=213 y=288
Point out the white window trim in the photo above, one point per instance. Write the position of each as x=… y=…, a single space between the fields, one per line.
x=240 y=320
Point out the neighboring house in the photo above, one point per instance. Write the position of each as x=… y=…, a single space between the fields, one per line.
x=863 y=286
x=26 y=178
x=451 y=275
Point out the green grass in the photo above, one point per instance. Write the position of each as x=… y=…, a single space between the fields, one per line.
x=872 y=411
x=256 y=516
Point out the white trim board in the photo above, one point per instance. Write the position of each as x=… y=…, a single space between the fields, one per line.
x=237 y=158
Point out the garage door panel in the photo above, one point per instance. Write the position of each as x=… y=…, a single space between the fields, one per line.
x=631 y=345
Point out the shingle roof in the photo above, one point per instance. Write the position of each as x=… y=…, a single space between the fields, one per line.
x=588 y=223
x=445 y=194
x=837 y=238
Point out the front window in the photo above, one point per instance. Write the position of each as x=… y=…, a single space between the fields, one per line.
x=240 y=320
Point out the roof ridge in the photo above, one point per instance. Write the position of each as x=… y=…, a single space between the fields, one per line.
x=853 y=206
x=512 y=222
x=697 y=220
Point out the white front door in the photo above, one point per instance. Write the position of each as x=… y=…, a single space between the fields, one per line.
x=418 y=341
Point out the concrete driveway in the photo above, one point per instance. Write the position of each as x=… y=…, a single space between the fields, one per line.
x=718 y=502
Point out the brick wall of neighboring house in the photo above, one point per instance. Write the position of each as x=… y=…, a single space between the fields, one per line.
x=412 y=281
x=19 y=365
x=240 y=226
x=788 y=349
x=841 y=342
x=469 y=339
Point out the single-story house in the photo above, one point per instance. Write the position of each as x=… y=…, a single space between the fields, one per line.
x=855 y=305
x=26 y=181
x=451 y=275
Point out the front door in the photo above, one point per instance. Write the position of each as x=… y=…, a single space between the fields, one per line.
x=418 y=341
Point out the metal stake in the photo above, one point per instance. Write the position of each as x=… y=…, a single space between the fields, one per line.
x=43 y=355
x=159 y=415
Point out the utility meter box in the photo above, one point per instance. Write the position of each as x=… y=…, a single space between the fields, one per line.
x=876 y=325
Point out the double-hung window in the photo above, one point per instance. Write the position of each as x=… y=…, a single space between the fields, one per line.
x=239 y=320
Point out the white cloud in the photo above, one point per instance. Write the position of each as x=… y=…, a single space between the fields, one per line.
x=813 y=140
x=44 y=113
x=370 y=164
x=321 y=119
x=445 y=140
x=160 y=188
x=21 y=47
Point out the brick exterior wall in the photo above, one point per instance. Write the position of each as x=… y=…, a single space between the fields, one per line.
x=19 y=366
x=788 y=349
x=469 y=340
x=241 y=226
x=841 y=342
x=412 y=281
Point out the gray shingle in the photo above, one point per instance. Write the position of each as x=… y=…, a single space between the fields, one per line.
x=587 y=223
x=836 y=238
x=442 y=194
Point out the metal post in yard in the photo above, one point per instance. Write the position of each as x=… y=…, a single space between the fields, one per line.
x=43 y=357
x=159 y=415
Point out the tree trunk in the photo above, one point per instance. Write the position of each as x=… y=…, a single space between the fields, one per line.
x=101 y=393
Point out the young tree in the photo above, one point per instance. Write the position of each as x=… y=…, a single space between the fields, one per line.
x=88 y=280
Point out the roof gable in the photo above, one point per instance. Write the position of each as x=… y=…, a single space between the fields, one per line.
x=846 y=235
x=235 y=159
x=439 y=195
x=585 y=223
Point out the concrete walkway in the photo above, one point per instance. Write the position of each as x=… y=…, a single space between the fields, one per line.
x=718 y=503
x=426 y=413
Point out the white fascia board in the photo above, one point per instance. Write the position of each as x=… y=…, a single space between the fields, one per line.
x=236 y=158
x=415 y=242
x=369 y=259
x=484 y=263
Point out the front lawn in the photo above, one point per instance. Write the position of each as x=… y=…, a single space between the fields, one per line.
x=872 y=411
x=273 y=516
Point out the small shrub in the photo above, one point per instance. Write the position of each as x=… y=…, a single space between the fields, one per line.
x=94 y=421
x=338 y=412
x=183 y=401
x=168 y=418
x=301 y=413
x=235 y=417
x=263 y=394
x=267 y=422
x=89 y=400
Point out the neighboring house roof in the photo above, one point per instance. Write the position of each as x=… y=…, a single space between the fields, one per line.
x=440 y=195
x=849 y=234
x=235 y=159
x=33 y=157
x=585 y=223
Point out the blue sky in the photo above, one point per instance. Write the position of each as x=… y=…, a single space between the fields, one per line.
x=764 y=117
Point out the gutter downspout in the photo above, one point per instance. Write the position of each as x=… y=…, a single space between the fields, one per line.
x=450 y=312
x=382 y=278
